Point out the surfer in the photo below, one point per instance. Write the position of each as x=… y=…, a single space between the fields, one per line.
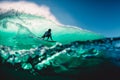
x=47 y=34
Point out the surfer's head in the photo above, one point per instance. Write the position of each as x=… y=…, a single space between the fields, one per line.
x=49 y=30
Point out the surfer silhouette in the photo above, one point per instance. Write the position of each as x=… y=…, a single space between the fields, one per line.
x=47 y=34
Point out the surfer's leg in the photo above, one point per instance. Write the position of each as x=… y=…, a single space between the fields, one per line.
x=51 y=38
x=47 y=37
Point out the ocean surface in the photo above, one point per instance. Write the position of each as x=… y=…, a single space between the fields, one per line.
x=77 y=54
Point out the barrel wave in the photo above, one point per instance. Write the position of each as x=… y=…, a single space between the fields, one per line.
x=77 y=51
x=23 y=29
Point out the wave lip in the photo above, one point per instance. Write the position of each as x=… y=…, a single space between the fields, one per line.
x=29 y=8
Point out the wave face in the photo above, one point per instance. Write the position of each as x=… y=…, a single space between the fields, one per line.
x=76 y=50
x=19 y=30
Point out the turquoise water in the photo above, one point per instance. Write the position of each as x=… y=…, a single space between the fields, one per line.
x=21 y=30
x=75 y=51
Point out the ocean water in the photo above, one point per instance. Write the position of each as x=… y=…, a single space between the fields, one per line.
x=77 y=53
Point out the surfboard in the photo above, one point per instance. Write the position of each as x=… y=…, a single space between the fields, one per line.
x=46 y=40
x=50 y=41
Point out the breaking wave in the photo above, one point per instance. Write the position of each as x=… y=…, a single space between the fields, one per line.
x=75 y=48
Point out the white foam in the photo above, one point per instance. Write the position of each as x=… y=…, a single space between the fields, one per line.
x=29 y=7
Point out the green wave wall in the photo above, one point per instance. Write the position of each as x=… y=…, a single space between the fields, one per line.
x=20 y=30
